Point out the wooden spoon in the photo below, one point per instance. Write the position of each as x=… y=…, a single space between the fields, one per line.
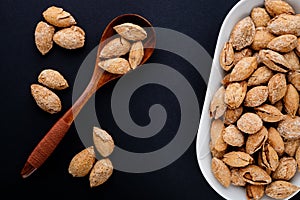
x=99 y=78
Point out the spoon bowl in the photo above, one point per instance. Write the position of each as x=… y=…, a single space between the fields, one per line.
x=99 y=78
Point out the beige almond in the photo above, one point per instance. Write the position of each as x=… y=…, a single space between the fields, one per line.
x=46 y=99
x=115 y=48
x=260 y=76
x=256 y=141
x=233 y=136
x=235 y=94
x=269 y=113
x=236 y=177
x=237 y=159
x=232 y=115
x=43 y=36
x=277 y=87
x=286 y=169
x=293 y=60
x=136 y=54
x=101 y=172
x=280 y=189
x=70 y=38
x=270 y=157
x=261 y=39
x=242 y=34
x=221 y=172
x=294 y=78
x=243 y=69
x=274 y=60
x=285 y=24
x=249 y=123
x=275 y=140
x=115 y=65
x=53 y=79
x=103 y=141
x=255 y=192
x=279 y=105
x=226 y=80
x=131 y=31
x=255 y=175
x=226 y=58
x=289 y=128
x=58 y=17
x=291 y=100
x=260 y=16
x=82 y=162
x=256 y=96
x=239 y=55
x=278 y=7
x=216 y=153
x=291 y=146
x=217 y=105
x=216 y=135
x=283 y=43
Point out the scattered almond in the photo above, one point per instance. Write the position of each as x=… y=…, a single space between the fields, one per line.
x=53 y=79
x=103 y=142
x=101 y=172
x=70 y=38
x=43 y=37
x=131 y=31
x=58 y=17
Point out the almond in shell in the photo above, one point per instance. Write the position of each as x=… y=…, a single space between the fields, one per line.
x=136 y=54
x=239 y=55
x=284 y=43
x=227 y=56
x=232 y=115
x=280 y=189
x=130 y=31
x=285 y=24
x=233 y=136
x=101 y=172
x=115 y=48
x=289 y=128
x=249 y=123
x=286 y=169
x=70 y=38
x=103 y=142
x=260 y=76
x=277 y=7
x=291 y=100
x=216 y=135
x=58 y=17
x=274 y=60
x=269 y=113
x=277 y=87
x=115 y=65
x=82 y=162
x=52 y=79
x=256 y=96
x=256 y=141
x=260 y=16
x=294 y=78
x=235 y=94
x=261 y=39
x=217 y=105
x=291 y=146
x=293 y=60
x=43 y=36
x=243 y=69
x=242 y=34
x=237 y=159
x=236 y=177
x=275 y=140
x=255 y=175
x=46 y=99
x=255 y=192
x=221 y=171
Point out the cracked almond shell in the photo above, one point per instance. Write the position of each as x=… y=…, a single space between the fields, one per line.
x=136 y=54
x=52 y=79
x=284 y=43
x=70 y=38
x=235 y=94
x=115 y=48
x=103 y=142
x=277 y=86
x=221 y=172
x=237 y=159
x=216 y=135
x=285 y=24
x=256 y=96
x=269 y=113
x=291 y=100
x=286 y=169
x=275 y=140
x=256 y=141
x=58 y=17
x=255 y=175
x=130 y=31
x=101 y=172
x=217 y=105
x=280 y=189
x=115 y=65
x=243 y=69
x=233 y=136
x=227 y=56
x=260 y=76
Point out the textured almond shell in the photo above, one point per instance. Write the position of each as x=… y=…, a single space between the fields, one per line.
x=103 y=142
x=221 y=171
x=232 y=115
x=270 y=157
x=274 y=60
x=227 y=56
x=101 y=172
x=249 y=123
x=294 y=78
x=275 y=140
x=58 y=17
x=239 y=55
x=243 y=69
x=293 y=60
x=237 y=159
x=233 y=136
x=46 y=99
x=283 y=43
x=43 y=36
x=115 y=65
x=256 y=141
x=217 y=105
x=255 y=192
x=136 y=54
x=289 y=128
x=291 y=146
x=260 y=76
x=256 y=96
x=261 y=39
x=70 y=38
x=286 y=169
x=280 y=189
x=115 y=48
x=260 y=17
x=235 y=94
x=277 y=87
x=236 y=177
x=53 y=79
x=216 y=135
x=285 y=24
x=277 y=7
x=82 y=162
x=269 y=113
x=255 y=175
x=131 y=31
x=291 y=100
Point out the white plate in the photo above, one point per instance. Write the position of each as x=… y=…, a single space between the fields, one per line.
x=239 y=11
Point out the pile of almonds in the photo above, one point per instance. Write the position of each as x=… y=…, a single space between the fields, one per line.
x=68 y=35
x=255 y=129
x=42 y=93
x=128 y=40
x=85 y=162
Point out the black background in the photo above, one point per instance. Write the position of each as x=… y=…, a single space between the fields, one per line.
x=23 y=124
